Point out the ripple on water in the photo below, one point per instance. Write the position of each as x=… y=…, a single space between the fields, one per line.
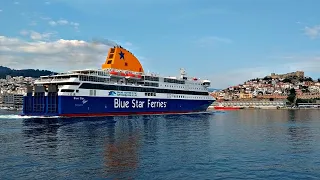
x=253 y=144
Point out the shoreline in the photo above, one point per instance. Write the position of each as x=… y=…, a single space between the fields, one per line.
x=268 y=108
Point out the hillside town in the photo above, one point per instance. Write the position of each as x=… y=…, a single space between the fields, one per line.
x=12 y=90
x=272 y=87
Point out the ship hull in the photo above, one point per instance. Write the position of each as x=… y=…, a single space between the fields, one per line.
x=80 y=106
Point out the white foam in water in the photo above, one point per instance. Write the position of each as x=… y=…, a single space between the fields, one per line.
x=16 y=116
x=10 y=116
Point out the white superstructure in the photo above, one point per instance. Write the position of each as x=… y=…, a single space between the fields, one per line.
x=126 y=83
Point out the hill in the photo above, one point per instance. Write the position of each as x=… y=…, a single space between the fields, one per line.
x=35 y=73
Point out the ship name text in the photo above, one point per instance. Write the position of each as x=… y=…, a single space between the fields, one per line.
x=134 y=103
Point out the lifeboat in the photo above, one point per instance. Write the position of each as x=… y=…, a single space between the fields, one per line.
x=195 y=79
x=139 y=76
x=114 y=73
x=130 y=74
x=122 y=74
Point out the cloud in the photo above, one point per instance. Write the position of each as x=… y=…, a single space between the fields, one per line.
x=237 y=76
x=33 y=23
x=60 y=22
x=24 y=32
x=308 y=64
x=63 y=22
x=36 y=35
x=127 y=44
x=52 y=23
x=312 y=32
x=0 y=10
x=45 y=18
x=16 y=3
x=59 y=55
x=232 y=77
x=212 y=40
x=47 y=3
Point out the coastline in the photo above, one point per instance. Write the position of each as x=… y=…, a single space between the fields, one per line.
x=269 y=108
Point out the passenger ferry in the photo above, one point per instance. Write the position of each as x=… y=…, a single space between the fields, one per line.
x=120 y=87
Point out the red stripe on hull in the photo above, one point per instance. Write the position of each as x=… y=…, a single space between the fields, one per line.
x=127 y=114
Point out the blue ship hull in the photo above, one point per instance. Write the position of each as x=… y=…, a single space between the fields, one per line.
x=74 y=106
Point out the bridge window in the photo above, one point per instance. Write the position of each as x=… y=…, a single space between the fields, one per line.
x=176 y=81
x=109 y=62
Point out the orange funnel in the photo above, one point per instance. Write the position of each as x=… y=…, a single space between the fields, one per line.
x=122 y=59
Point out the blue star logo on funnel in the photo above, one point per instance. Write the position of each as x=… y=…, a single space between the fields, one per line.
x=121 y=55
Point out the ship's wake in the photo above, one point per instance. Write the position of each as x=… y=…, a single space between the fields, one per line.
x=16 y=116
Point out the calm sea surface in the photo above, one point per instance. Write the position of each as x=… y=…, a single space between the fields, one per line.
x=245 y=144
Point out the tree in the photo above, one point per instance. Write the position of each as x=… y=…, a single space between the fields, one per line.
x=301 y=79
x=319 y=80
x=267 y=78
x=24 y=72
x=292 y=96
x=308 y=79
x=286 y=80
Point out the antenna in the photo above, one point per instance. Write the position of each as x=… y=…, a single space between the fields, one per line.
x=182 y=73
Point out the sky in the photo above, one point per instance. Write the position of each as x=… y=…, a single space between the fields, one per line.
x=225 y=41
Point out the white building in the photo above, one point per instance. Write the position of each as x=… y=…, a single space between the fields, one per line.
x=12 y=100
x=8 y=77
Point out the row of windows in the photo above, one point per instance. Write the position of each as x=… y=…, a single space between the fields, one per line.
x=138 y=89
x=151 y=84
x=62 y=83
x=150 y=78
x=150 y=94
x=174 y=86
x=176 y=81
x=188 y=97
x=60 y=77
x=93 y=79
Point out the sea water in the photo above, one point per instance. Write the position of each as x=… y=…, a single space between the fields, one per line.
x=244 y=144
